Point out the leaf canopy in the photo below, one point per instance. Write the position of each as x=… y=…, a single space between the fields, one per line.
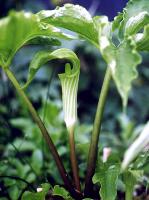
x=99 y=31
x=74 y=18
x=19 y=28
x=41 y=27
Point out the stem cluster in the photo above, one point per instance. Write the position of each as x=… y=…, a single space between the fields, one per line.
x=74 y=191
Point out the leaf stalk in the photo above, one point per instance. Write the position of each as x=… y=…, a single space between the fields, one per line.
x=93 y=150
x=73 y=159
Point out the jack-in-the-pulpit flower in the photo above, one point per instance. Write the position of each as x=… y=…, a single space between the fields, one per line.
x=69 y=80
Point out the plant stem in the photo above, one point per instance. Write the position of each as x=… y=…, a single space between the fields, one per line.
x=95 y=133
x=128 y=195
x=74 y=160
x=130 y=182
x=44 y=132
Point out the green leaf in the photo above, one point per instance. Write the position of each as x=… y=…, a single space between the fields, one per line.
x=39 y=195
x=136 y=23
x=74 y=18
x=45 y=40
x=142 y=40
x=131 y=178
x=60 y=191
x=19 y=28
x=14 y=191
x=117 y=21
x=123 y=67
x=107 y=176
x=141 y=161
x=123 y=61
x=37 y=160
x=134 y=17
x=87 y=199
x=22 y=145
x=69 y=79
x=130 y=23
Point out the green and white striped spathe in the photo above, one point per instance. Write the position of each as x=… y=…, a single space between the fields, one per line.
x=69 y=80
